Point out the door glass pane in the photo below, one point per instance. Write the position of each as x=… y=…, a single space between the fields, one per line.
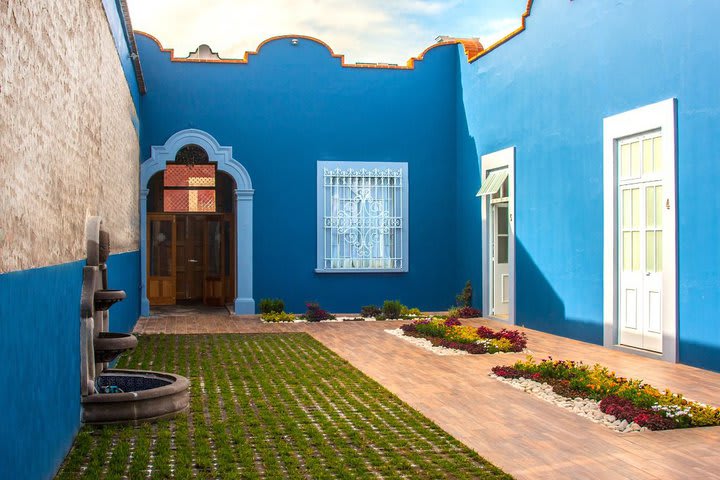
x=650 y=206
x=214 y=244
x=648 y=156
x=635 y=162
x=657 y=153
x=227 y=247
x=659 y=250
x=625 y=161
x=502 y=220
x=650 y=251
x=635 y=251
x=627 y=251
x=658 y=206
x=502 y=243
x=161 y=248
x=189 y=200
x=190 y=175
x=626 y=209
x=636 y=208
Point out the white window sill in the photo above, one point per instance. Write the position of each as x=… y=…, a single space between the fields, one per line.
x=361 y=270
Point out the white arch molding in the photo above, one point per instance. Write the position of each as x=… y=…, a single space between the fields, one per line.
x=159 y=157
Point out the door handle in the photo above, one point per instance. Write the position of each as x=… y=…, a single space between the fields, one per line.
x=192 y=260
x=647 y=274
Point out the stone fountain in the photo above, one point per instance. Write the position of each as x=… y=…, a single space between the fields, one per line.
x=112 y=395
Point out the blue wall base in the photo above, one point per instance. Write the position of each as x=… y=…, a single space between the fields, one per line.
x=244 y=306
x=144 y=307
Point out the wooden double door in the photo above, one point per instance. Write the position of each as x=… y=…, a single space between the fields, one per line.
x=191 y=258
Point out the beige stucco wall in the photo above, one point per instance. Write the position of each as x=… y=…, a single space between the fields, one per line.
x=68 y=148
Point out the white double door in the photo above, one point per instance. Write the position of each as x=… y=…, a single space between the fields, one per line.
x=640 y=262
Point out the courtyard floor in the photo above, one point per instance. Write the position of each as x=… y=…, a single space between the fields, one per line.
x=270 y=406
x=522 y=435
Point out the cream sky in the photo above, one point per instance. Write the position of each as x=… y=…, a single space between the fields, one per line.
x=389 y=31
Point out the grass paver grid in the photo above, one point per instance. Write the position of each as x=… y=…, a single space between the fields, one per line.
x=270 y=406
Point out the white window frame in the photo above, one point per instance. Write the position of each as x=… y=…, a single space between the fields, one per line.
x=493 y=161
x=657 y=116
x=404 y=210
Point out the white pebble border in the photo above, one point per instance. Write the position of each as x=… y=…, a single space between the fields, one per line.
x=338 y=319
x=426 y=344
x=438 y=350
x=584 y=407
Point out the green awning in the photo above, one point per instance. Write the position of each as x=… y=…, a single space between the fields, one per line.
x=493 y=182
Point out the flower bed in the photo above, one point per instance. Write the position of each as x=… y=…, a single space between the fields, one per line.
x=451 y=333
x=625 y=400
x=272 y=312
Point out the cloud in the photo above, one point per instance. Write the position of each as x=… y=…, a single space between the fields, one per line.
x=371 y=30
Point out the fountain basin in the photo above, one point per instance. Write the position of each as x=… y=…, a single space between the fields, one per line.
x=108 y=345
x=104 y=299
x=146 y=396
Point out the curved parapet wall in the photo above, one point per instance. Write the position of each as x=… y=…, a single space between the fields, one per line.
x=472 y=49
x=289 y=106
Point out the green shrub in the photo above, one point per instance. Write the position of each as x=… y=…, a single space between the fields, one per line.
x=271 y=305
x=278 y=317
x=392 y=309
x=370 y=311
x=464 y=298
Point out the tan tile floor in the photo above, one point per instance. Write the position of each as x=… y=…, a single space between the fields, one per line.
x=521 y=434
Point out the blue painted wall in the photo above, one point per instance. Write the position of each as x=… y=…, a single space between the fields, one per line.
x=291 y=106
x=39 y=351
x=124 y=274
x=547 y=91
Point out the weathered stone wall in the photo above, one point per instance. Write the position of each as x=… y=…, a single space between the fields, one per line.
x=68 y=147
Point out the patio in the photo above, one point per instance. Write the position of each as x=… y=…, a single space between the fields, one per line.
x=517 y=432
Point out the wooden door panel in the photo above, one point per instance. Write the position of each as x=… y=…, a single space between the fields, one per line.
x=181 y=276
x=195 y=257
x=161 y=259
x=214 y=262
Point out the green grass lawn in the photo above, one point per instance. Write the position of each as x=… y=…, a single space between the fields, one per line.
x=270 y=406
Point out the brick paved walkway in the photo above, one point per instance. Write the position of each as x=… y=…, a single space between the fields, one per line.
x=519 y=433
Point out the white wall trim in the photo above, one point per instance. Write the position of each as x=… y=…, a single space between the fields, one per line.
x=492 y=161
x=663 y=116
x=320 y=219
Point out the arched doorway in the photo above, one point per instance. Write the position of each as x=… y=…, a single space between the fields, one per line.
x=196 y=225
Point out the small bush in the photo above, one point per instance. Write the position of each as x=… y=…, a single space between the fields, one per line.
x=452 y=322
x=469 y=312
x=464 y=298
x=485 y=332
x=507 y=372
x=431 y=328
x=461 y=334
x=271 y=305
x=314 y=313
x=370 y=311
x=413 y=312
x=278 y=317
x=392 y=309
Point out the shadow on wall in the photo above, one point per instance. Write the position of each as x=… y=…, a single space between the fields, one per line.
x=538 y=305
x=125 y=274
x=468 y=207
x=699 y=355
